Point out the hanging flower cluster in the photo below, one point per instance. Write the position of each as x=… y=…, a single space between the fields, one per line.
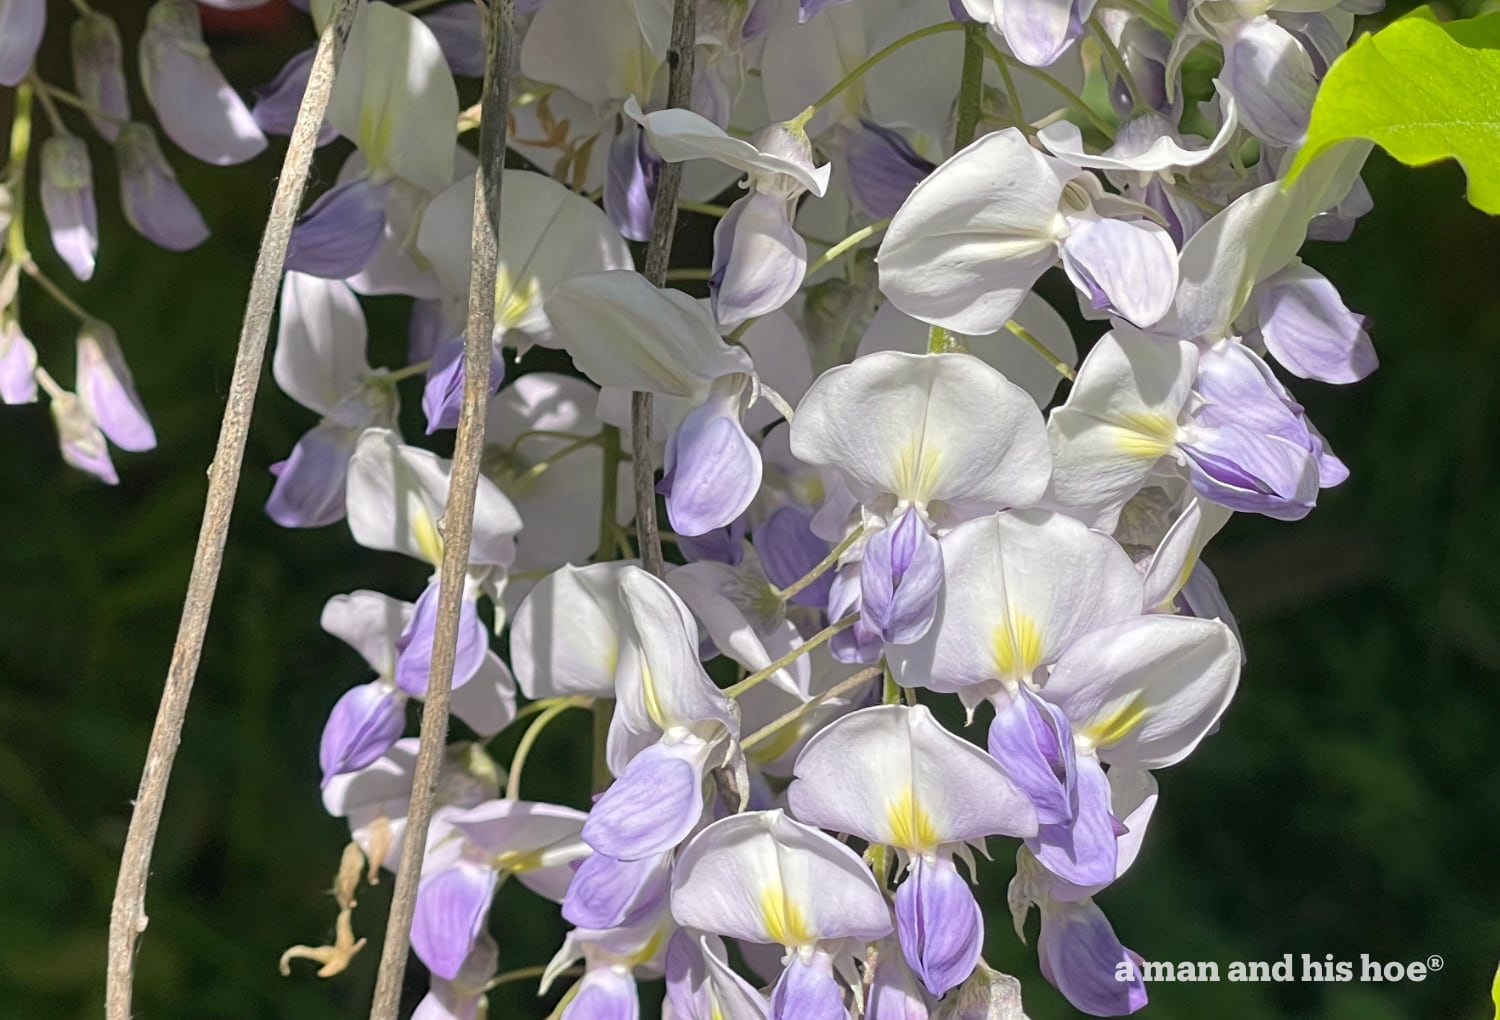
x=876 y=499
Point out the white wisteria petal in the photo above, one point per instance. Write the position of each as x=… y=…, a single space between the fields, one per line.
x=1177 y=553
x=1119 y=421
x=622 y=332
x=715 y=592
x=565 y=638
x=320 y=342
x=598 y=52
x=1144 y=692
x=975 y=235
x=680 y=135
x=547 y=234
x=800 y=63
x=764 y=878
x=370 y=623
x=893 y=775
x=1147 y=143
x=396 y=493
x=894 y=330
x=394 y=97
x=925 y=428
x=782 y=361
x=487 y=702
x=1022 y=586
x=1125 y=267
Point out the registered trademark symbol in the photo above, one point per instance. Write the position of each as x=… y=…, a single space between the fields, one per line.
x=1434 y=962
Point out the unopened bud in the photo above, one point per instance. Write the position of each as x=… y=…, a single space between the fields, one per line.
x=99 y=72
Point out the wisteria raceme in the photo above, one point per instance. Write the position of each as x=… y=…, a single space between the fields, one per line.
x=892 y=472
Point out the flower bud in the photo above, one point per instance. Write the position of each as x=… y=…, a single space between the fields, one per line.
x=22 y=23
x=197 y=108
x=17 y=365
x=107 y=391
x=153 y=202
x=82 y=443
x=99 y=72
x=68 y=201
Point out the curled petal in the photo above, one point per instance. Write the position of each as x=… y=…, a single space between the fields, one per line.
x=1082 y=850
x=651 y=808
x=107 y=392
x=900 y=577
x=82 y=443
x=759 y=260
x=1084 y=960
x=939 y=924
x=450 y=913
x=630 y=182
x=365 y=723
x=807 y=990
x=712 y=469
x=442 y=395
x=152 y=200
x=1309 y=330
x=309 y=489
x=608 y=893
x=1125 y=267
x=1271 y=77
x=1250 y=471
x=414 y=648
x=565 y=638
x=605 y=993
x=883 y=169
x=1032 y=740
x=340 y=232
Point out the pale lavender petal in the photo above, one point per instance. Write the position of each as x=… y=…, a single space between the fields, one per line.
x=883 y=168
x=1081 y=956
x=860 y=643
x=1082 y=851
x=900 y=578
x=894 y=992
x=807 y=990
x=1040 y=31
x=365 y=723
x=1125 y=267
x=1033 y=742
x=1309 y=330
x=605 y=993
x=650 y=808
x=195 y=106
x=759 y=259
x=721 y=545
x=712 y=469
x=414 y=647
x=443 y=393
x=339 y=233
x=608 y=893
x=68 y=202
x=107 y=391
x=1271 y=78
x=99 y=72
x=939 y=924
x=630 y=182
x=451 y=909
x=153 y=202
x=17 y=365
x=309 y=489
x=22 y=23
x=278 y=100
x=808 y=9
x=789 y=550
x=1251 y=471
x=81 y=442
x=459 y=29
x=1337 y=224
x=428 y=327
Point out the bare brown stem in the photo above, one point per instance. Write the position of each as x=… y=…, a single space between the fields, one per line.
x=457 y=522
x=658 y=254
x=128 y=914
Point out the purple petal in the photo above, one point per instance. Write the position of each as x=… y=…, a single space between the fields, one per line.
x=450 y=914
x=365 y=723
x=807 y=990
x=459 y=29
x=1033 y=742
x=153 y=202
x=309 y=489
x=339 y=232
x=607 y=893
x=894 y=993
x=99 y=72
x=1040 y=31
x=195 y=106
x=17 y=365
x=22 y=23
x=759 y=259
x=721 y=545
x=414 y=661
x=712 y=468
x=82 y=443
x=883 y=169
x=900 y=578
x=1082 y=851
x=107 y=391
x=278 y=100
x=1309 y=330
x=1083 y=959
x=1251 y=471
x=630 y=182
x=1125 y=267
x=808 y=9
x=1271 y=78
x=860 y=643
x=427 y=328
x=443 y=393
x=939 y=924
x=605 y=993
x=789 y=550
x=650 y=808
x=68 y=202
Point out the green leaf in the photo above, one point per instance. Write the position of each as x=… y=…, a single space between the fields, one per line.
x=1424 y=92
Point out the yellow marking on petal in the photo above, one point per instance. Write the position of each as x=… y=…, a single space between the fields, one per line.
x=784 y=921
x=1116 y=726
x=375 y=133
x=424 y=530
x=1017 y=645
x=517 y=861
x=514 y=298
x=1146 y=436
x=648 y=694
x=912 y=828
x=917 y=470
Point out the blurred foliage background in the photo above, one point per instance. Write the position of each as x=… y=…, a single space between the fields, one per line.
x=1350 y=804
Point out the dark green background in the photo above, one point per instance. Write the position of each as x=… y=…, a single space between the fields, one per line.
x=1350 y=804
